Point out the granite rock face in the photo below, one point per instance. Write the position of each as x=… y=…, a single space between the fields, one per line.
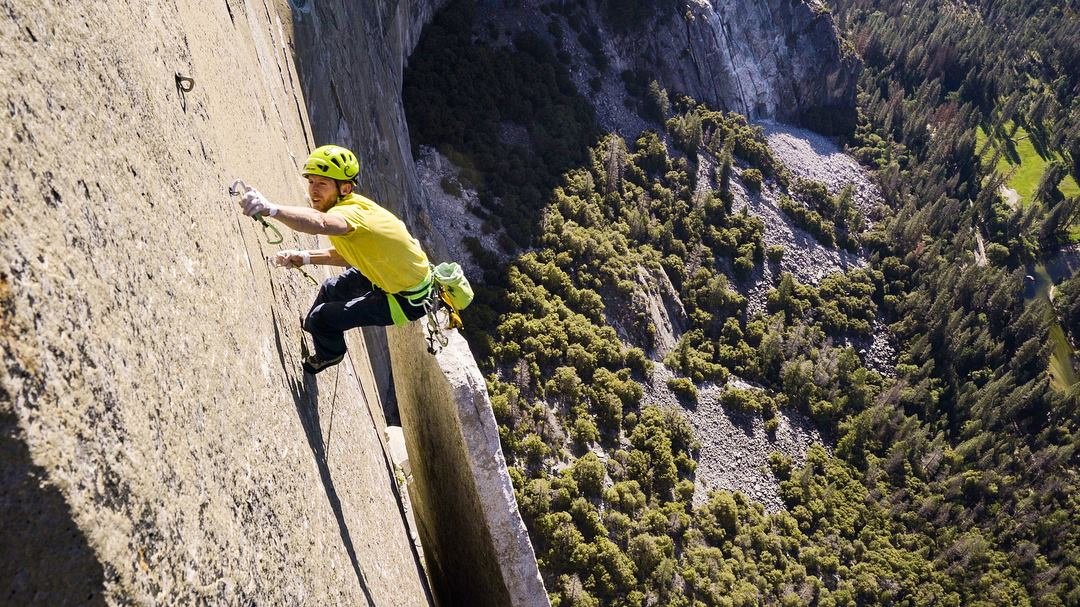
x=156 y=430
x=478 y=550
x=160 y=444
x=779 y=59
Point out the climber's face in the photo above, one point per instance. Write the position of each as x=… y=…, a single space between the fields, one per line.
x=324 y=192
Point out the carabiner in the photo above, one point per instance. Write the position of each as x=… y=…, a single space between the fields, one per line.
x=270 y=233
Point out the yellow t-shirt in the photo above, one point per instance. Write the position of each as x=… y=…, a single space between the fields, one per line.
x=380 y=245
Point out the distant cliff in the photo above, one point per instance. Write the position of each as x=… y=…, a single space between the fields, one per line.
x=782 y=60
x=778 y=59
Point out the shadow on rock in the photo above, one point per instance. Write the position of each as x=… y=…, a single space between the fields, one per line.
x=740 y=419
x=305 y=394
x=45 y=559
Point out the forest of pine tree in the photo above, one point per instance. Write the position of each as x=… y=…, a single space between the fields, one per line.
x=953 y=482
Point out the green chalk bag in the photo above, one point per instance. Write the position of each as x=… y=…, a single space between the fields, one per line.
x=454 y=284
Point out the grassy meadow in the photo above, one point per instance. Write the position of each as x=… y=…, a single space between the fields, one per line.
x=1023 y=160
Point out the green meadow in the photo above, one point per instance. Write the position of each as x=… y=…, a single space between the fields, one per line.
x=1024 y=160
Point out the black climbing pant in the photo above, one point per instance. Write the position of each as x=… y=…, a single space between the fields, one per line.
x=347 y=301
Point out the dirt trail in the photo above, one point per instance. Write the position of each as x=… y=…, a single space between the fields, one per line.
x=980 y=249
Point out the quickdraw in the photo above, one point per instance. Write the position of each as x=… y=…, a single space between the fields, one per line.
x=434 y=331
x=435 y=338
x=270 y=233
x=439 y=299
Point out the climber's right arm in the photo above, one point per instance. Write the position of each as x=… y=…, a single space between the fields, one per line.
x=301 y=219
x=310 y=221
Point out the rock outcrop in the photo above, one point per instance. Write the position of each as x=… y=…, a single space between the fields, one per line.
x=465 y=507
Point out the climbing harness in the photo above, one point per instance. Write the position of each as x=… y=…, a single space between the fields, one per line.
x=429 y=294
x=415 y=296
x=271 y=233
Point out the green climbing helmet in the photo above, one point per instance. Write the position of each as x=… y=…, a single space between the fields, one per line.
x=332 y=161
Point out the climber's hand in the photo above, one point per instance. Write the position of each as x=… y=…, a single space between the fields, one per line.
x=254 y=204
x=291 y=258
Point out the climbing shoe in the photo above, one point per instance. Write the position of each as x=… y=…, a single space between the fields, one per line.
x=313 y=364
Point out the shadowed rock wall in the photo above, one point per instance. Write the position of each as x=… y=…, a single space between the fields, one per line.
x=39 y=534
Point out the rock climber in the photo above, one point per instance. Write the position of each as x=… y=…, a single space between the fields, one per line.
x=388 y=277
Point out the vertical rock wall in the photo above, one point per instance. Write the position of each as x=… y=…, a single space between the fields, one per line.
x=159 y=442
x=351 y=56
x=478 y=550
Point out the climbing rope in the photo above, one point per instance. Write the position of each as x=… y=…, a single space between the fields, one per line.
x=333 y=405
x=306 y=275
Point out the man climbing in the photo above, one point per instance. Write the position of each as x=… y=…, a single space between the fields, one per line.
x=388 y=276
